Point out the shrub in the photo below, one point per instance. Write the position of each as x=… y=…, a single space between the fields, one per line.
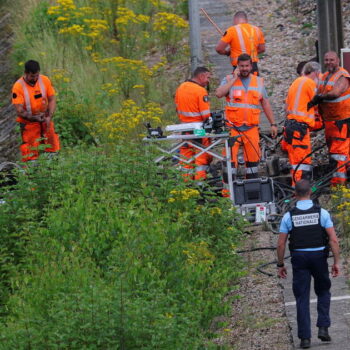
x=117 y=253
x=111 y=51
x=341 y=204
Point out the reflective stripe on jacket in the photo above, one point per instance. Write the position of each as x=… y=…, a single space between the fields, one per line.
x=192 y=103
x=300 y=93
x=27 y=105
x=338 y=108
x=242 y=106
x=243 y=38
x=246 y=35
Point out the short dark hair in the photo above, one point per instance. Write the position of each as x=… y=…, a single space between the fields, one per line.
x=244 y=57
x=199 y=70
x=31 y=66
x=302 y=188
x=240 y=14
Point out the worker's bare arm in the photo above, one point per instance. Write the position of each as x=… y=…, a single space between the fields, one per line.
x=25 y=115
x=261 y=48
x=334 y=244
x=223 y=90
x=340 y=86
x=52 y=106
x=281 y=248
x=222 y=48
x=265 y=104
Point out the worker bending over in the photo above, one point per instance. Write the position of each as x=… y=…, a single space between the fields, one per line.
x=333 y=98
x=244 y=94
x=192 y=105
x=240 y=38
x=34 y=99
x=300 y=119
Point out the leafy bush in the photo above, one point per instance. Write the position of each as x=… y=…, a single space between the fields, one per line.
x=110 y=52
x=341 y=205
x=103 y=250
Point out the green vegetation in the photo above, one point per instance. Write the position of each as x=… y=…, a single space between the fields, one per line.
x=341 y=206
x=101 y=56
x=100 y=248
x=102 y=251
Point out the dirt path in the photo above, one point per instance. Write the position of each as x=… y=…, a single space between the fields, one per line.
x=290 y=37
x=259 y=317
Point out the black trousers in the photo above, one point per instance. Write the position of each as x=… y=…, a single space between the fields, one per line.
x=305 y=265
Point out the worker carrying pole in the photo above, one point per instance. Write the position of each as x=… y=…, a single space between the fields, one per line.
x=212 y=22
x=241 y=38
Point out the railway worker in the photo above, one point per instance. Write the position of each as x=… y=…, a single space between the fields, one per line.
x=319 y=125
x=192 y=105
x=310 y=231
x=333 y=99
x=245 y=93
x=299 y=121
x=34 y=99
x=240 y=38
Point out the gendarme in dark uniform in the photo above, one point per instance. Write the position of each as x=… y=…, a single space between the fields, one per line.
x=310 y=231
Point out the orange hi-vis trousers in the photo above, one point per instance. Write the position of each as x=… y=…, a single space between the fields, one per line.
x=249 y=140
x=338 y=142
x=297 y=143
x=198 y=168
x=35 y=134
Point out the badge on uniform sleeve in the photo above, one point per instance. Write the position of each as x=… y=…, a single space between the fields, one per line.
x=206 y=98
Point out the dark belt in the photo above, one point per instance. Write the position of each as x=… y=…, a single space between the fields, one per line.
x=340 y=123
x=291 y=126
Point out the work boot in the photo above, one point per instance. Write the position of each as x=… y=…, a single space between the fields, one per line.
x=305 y=343
x=323 y=334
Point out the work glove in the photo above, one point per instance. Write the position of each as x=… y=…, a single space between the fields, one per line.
x=315 y=101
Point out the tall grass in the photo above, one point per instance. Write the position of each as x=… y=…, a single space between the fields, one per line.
x=37 y=36
x=102 y=250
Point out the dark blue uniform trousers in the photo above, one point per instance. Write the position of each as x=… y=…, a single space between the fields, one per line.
x=305 y=265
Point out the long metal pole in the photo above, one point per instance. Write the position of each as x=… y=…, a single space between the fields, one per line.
x=330 y=27
x=212 y=22
x=229 y=168
x=195 y=35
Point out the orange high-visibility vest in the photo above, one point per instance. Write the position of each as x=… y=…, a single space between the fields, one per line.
x=33 y=98
x=242 y=106
x=300 y=93
x=243 y=38
x=338 y=108
x=192 y=102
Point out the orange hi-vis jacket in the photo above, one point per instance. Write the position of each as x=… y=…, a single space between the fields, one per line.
x=192 y=102
x=243 y=38
x=33 y=98
x=338 y=108
x=300 y=93
x=242 y=106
